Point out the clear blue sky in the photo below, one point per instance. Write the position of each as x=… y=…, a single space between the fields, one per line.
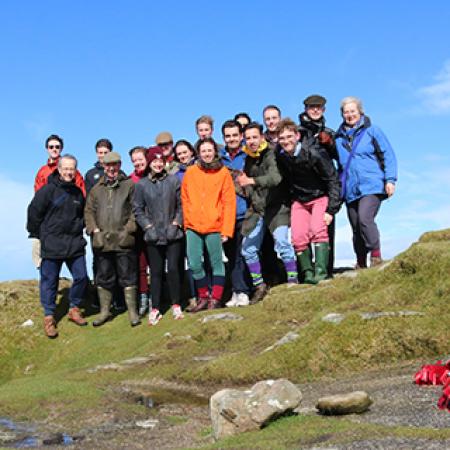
x=128 y=70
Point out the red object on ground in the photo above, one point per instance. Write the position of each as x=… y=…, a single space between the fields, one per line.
x=434 y=374
x=444 y=401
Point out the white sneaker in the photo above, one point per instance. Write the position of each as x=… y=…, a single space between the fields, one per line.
x=232 y=302
x=177 y=313
x=242 y=299
x=154 y=317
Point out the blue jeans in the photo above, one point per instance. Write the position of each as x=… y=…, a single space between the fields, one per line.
x=251 y=244
x=48 y=286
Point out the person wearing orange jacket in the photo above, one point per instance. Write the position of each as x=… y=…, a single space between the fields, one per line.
x=209 y=212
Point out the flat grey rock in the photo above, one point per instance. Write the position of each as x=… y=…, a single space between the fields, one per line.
x=378 y=315
x=222 y=316
x=291 y=336
x=333 y=318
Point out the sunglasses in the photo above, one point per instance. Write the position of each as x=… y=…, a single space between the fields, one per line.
x=56 y=147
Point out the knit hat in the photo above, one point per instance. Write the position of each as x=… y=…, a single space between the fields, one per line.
x=163 y=138
x=155 y=153
x=111 y=158
x=314 y=100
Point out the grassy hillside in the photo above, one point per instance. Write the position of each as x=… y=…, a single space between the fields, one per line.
x=39 y=376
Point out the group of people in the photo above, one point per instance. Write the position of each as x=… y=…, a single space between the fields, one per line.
x=195 y=206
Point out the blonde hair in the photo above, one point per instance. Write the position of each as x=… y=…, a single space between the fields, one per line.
x=286 y=124
x=356 y=100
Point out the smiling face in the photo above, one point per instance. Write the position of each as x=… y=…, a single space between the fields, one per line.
x=315 y=112
x=184 y=153
x=54 y=149
x=288 y=139
x=207 y=152
x=232 y=137
x=139 y=161
x=101 y=152
x=204 y=130
x=157 y=165
x=271 y=119
x=351 y=114
x=253 y=138
x=67 y=169
x=112 y=170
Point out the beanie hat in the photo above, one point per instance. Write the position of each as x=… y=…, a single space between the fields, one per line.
x=155 y=153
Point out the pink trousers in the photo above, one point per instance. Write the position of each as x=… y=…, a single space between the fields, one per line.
x=307 y=224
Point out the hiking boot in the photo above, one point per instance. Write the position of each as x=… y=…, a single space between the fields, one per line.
x=76 y=317
x=201 y=304
x=242 y=299
x=177 y=313
x=50 y=327
x=375 y=261
x=306 y=268
x=143 y=304
x=260 y=292
x=233 y=301
x=213 y=303
x=192 y=304
x=104 y=298
x=131 y=300
x=154 y=317
x=322 y=252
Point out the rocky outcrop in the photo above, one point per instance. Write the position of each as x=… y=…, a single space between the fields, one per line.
x=235 y=411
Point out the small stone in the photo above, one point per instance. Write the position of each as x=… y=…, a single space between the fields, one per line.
x=150 y=423
x=110 y=366
x=378 y=315
x=27 y=323
x=286 y=339
x=28 y=369
x=354 y=402
x=136 y=361
x=203 y=358
x=167 y=335
x=333 y=318
x=221 y=316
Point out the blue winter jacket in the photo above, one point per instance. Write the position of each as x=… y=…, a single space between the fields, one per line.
x=373 y=163
x=236 y=164
x=182 y=169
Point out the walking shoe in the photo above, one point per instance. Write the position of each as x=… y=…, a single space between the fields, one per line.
x=177 y=313
x=201 y=304
x=233 y=301
x=50 y=327
x=192 y=304
x=260 y=292
x=154 y=317
x=375 y=261
x=213 y=303
x=76 y=317
x=242 y=299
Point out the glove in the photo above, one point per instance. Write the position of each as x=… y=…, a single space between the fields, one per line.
x=325 y=139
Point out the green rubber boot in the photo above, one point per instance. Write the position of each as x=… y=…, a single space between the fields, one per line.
x=130 y=294
x=322 y=251
x=104 y=298
x=306 y=268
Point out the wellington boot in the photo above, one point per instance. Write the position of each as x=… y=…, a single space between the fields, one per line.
x=306 y=267
x=322 y=251
x=104 y=298
x=131 y=301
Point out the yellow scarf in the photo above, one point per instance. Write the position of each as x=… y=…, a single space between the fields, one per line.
x=258 y=152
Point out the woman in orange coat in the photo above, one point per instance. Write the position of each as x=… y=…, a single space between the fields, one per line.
x=209 y=209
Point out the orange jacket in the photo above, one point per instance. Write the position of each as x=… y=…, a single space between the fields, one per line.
x=49 y=168
x=209 y=201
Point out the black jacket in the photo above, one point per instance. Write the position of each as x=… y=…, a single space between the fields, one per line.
x=157 y=202
x=55 y=216
x=93 y=176
x=311 y=174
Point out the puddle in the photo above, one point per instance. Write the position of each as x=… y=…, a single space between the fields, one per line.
x=22 y=435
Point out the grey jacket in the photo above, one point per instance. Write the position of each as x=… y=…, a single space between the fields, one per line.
x=156 y=205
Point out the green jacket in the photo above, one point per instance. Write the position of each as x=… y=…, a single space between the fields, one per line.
x=109 y=209
x=269 y=196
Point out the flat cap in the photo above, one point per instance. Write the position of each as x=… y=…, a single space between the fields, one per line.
x=163 y=138
x=111 y=158
x=315 y=100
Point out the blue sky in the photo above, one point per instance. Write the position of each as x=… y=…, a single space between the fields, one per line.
x=128 y=70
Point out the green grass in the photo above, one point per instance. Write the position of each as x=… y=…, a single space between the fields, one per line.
x=38 y=375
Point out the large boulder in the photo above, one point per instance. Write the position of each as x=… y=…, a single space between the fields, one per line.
x=234 y=411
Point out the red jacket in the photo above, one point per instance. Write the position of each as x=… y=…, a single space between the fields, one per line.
x=49 y=168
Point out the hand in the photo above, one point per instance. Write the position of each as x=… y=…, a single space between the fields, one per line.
x=243 y=180
x=325 y=139
x=389 y=188
x=224 y=239
x=327 y=218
